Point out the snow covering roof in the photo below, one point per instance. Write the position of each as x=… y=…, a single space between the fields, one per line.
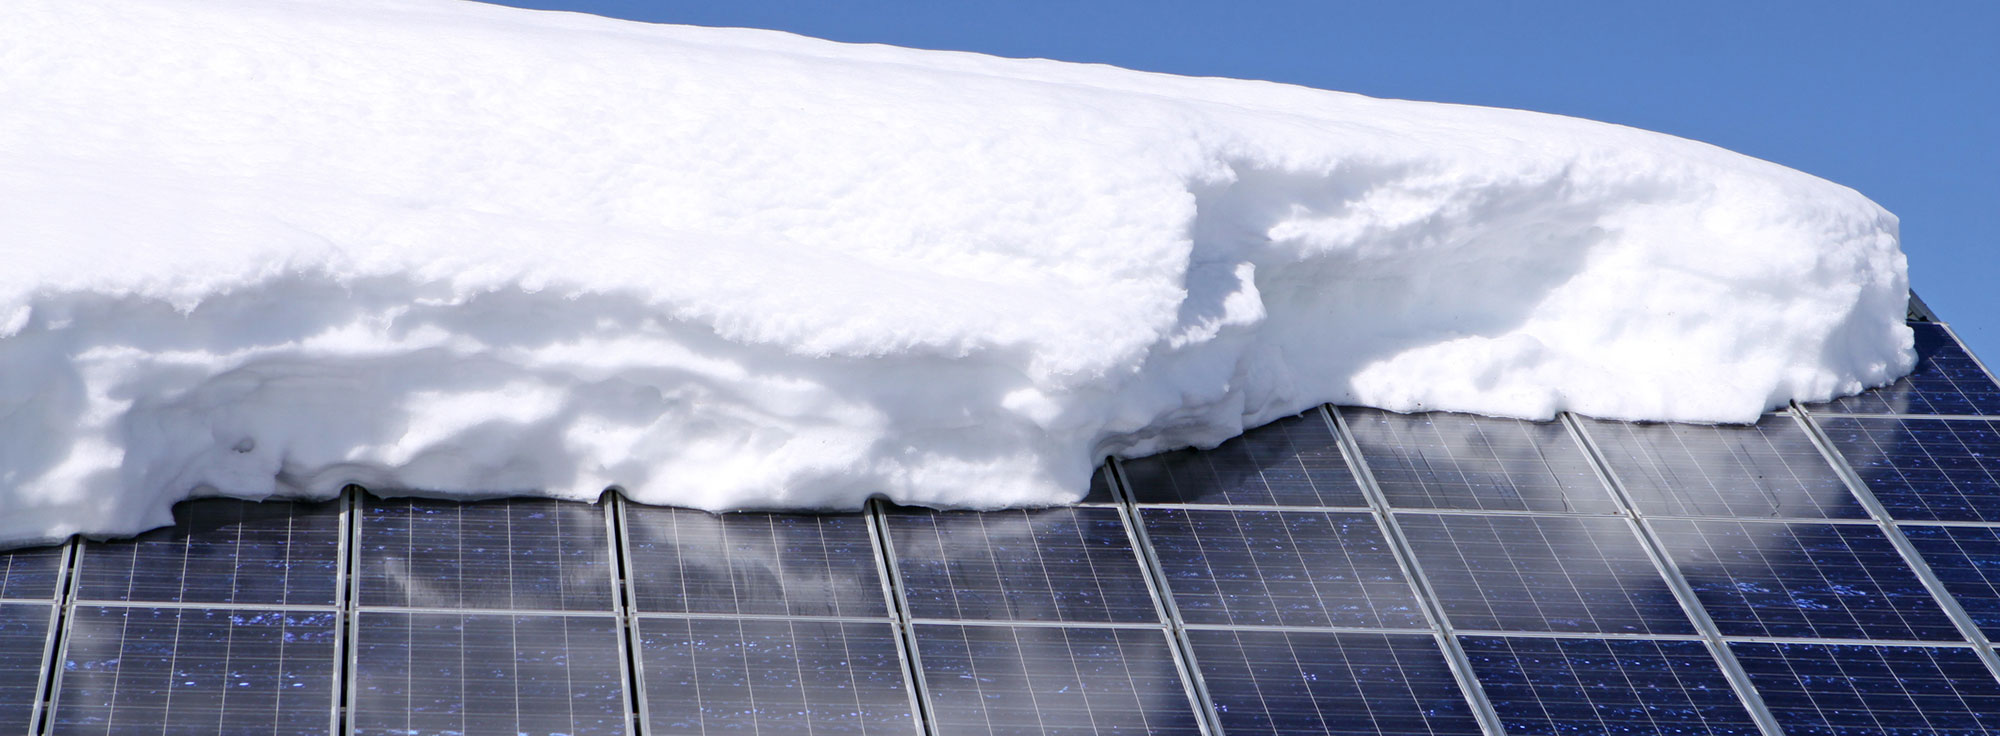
x=267 y=248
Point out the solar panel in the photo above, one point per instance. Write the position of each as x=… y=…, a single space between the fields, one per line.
x=1290 y=462
x=31 y=573
x=1821 y=581
x=1946 y=381
x=1554 y=685
x=1062 y=564
x=1305 y=683
x=1461 y=461
x=1924 y=469
x=1866 y=689
x=1281 y=568
x=222 y=551
x=776 y=564
x=508 y=554
x=1769 y=469
x=449 y=673
x=705 y=676
x=192 y=671
x=24 y=644
x=1967 y=560
x=1052 y=680
x=1543 y=573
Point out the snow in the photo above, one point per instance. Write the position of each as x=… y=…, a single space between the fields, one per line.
x=272 y=247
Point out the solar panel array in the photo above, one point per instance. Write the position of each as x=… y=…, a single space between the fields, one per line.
x=1832 y=569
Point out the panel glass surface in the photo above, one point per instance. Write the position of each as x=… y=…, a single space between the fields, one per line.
x=1281 y=568
x=1543 y=573
x=1052 y=680
x=1946 y=381
x=448 y=673
x=1462 y=461
x=196 y=671
x=778 y=564
x=509 y=554
x=1294 y=461
x=222 y=551
x=1769 y=469
x=1818 y=581
x=1863 y=689
x=1062 y=564
x=1924 y=469
x=24 y=641
x=1967 y=560
x=1567 y=686
x=773 y=676
x=1300 y=683
x=30 y=573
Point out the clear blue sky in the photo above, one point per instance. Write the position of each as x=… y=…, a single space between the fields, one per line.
x=1897 y=100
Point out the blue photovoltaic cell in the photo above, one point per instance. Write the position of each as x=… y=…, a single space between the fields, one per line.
x=1819 y=581
x=1857 y=689
x=1063 y=564
x=453 y=673
x=1290 y=462
x=1543 y=573
x=24 y=641
x=1924 y=469
x=686 y=561
x=1461 y=461
x=222 y=551
x=31 y=573
x=773 y=676
x=1947 y=381
x=510 y=554
x=1967 y=560
x=1566 y=686
x=1052 y=680
x=1307 y=683
x=196 y=671
x=1281 y=568
x=1769 y=469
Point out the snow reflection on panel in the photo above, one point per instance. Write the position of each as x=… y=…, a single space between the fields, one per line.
x=768 y=564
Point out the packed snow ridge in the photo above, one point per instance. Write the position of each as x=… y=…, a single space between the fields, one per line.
x=261 y=247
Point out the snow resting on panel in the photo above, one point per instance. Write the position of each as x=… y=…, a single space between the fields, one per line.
x=272 y=247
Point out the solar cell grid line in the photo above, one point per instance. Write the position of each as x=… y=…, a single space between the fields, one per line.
x=507 y=554
x=32 y=573
x=691 y=561
x=1306 y=683
x=1559 y=685
x=1923 y=469
x=26 y=634
x=225 y=552
x=1827 y=688
x=992 y=678
x=1966 y=560
x=1280 y=568
x=1948 y=380
x=1771 y=469
x=717 y=675
x=1475 y=463
x=1295 y=461
x=479 y=672
x=1074 y=564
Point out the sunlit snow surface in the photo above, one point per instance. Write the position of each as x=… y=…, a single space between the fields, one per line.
x=260 y=247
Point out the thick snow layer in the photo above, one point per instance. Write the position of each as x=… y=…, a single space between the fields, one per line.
x=263 y=247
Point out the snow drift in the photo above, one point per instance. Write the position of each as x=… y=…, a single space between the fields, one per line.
x=260 y=247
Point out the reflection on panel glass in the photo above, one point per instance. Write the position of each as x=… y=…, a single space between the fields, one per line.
x=1052 y=680
x=1821 y=581
x=1281 y=568
x=1769 y=469
x=1565 y=686
x=1298 y=683
x=1290 y=462
x=1543 y=573
x=442 y=673
x=777 y=564
x=1924 y=469
x=1967 y=560
x=222 y=551
x=1064 y=564
x=1461 y=461
x=24 y=640
x=1947 y=381
x=31 y=573
x=513 y=554
x=773 y=676
x=1862 y=689
x=196 y=671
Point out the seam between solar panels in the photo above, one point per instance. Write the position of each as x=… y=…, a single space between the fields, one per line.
x=1406 y=557
x=1718 y=645
x=631 y=668
x=41 y=716
x=343 y=602
x=899 y=609
x=1180 y=646
x=1967 y=628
